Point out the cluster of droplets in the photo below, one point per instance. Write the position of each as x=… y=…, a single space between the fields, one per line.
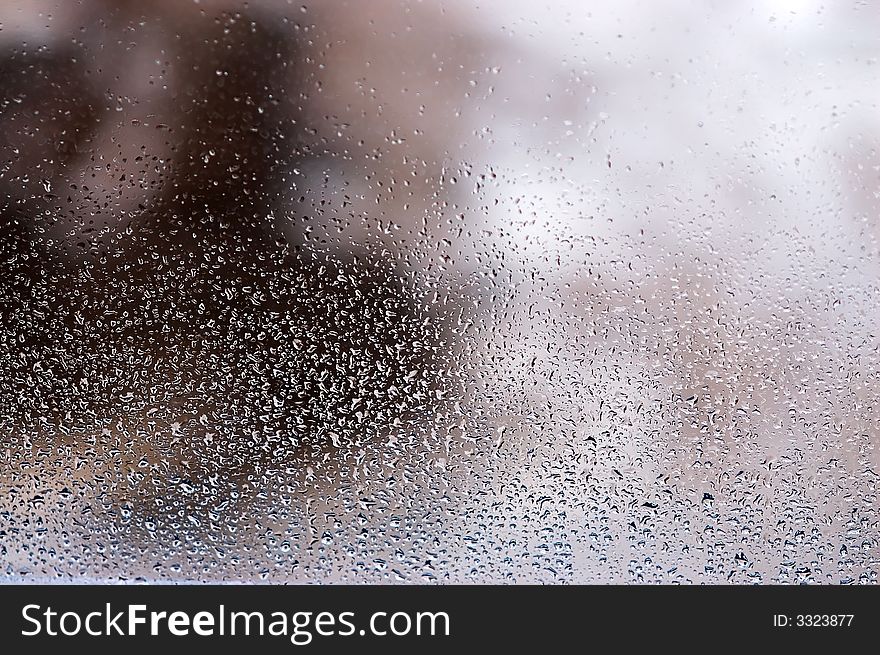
x=402 y=294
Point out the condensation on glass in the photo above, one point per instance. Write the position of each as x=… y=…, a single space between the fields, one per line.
x=439 y=292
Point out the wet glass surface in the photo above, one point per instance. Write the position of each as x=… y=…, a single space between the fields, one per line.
x=436 y=292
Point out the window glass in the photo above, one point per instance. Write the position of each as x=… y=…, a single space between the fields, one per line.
x=439 y=292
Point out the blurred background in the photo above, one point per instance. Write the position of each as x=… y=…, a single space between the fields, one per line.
x=439 y=292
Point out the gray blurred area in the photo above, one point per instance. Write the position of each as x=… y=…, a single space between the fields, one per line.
x=423 y=292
